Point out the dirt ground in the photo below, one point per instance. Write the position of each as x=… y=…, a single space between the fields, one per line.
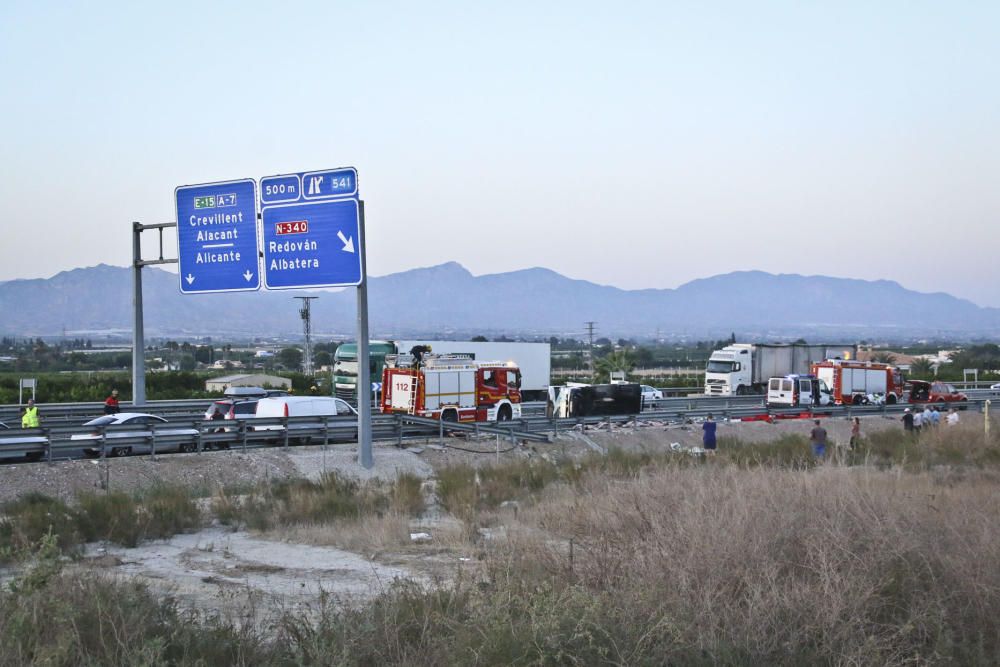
x=249 y=575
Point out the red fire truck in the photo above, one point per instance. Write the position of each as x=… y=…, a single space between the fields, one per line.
x=451 y=388
x=860 y=382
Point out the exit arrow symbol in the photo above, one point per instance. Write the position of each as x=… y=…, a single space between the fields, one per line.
x=348 y=242
x=189 y=278
x=248 y=275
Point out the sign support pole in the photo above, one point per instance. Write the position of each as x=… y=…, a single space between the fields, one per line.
x=138 y=335
x=364 y=360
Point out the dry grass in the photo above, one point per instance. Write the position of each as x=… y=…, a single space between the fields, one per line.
x=390 y=531
x=756 y=556
x=333 y=498
x=763 y=566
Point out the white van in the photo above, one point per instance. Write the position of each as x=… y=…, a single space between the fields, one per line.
x=301 y=406
x=797 y=391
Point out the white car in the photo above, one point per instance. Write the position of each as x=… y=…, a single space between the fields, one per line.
x=143 y=424
x=13 y=444
x=995 y=386
x=650 y=394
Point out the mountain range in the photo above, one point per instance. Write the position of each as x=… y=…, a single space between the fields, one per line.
x=447 y=300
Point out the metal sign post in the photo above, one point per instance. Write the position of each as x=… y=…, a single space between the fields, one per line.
x=26 y=383
x=365 y=457
x=138 y=336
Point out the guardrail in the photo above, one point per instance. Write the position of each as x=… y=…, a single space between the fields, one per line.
x=199 y=435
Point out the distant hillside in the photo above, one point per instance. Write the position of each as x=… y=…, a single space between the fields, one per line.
x=446 y=298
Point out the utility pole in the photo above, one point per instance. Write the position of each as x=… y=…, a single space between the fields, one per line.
x=590 y=353
x=307 y=362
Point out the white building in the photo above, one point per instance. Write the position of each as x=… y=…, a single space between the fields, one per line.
x=220 y=384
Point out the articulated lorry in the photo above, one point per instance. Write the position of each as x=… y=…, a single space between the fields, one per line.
x=744 y=368
x=534 y=360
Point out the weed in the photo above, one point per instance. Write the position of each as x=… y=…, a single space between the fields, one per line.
x=32 y=517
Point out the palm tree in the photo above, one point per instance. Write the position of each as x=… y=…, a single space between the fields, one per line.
x=884 y=357
x=620 y=360
x=921 y=369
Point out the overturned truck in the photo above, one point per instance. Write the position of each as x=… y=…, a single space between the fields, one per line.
x=590 y=400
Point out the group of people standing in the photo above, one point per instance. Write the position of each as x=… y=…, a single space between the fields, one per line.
x=929 y=417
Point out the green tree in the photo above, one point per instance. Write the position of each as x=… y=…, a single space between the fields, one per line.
x=884 y=357
x=480 y=339
x=620 y=360
x=187 y=362
x=323 y=358
x=290 y=358
x=921 y=369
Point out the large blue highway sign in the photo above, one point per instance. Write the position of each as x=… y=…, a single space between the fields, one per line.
x=217 y=248
x=312 y=244
x=312 y=232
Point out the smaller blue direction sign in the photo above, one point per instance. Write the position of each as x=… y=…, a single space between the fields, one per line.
x=217 y=248
x=309 y=186
x=312 y=244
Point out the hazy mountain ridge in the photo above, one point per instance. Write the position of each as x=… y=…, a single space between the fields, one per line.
x=447 y=297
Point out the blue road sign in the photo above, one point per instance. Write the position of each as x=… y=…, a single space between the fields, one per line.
x=312 y=244
x=309 y=186
x=311 y=229
x=217 y=248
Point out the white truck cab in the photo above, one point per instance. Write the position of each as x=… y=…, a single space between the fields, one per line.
x=729 y=370
x=798 y=391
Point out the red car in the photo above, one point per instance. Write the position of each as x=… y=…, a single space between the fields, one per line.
x=940 y=393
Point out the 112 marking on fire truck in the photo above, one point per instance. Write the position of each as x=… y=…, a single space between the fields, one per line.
x=311 y=229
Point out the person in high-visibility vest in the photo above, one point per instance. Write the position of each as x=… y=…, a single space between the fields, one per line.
x=30 y=417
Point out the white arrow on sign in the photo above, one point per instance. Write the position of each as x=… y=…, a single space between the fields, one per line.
x=348 y=242
x=189 y=278
x=248 y=275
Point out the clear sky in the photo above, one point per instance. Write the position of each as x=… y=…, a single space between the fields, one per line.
x=631 y=144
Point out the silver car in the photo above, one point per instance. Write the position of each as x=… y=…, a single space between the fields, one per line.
x=143 y=424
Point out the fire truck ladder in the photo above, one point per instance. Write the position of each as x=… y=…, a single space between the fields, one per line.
x=411 y=405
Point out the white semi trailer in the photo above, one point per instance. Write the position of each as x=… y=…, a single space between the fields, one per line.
x=745 y=368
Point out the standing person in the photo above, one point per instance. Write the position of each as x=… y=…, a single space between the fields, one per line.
x=927 y=418
x=908 y=421
x=952 y=418
x=935 y=416
x=708 y=435
x=918 y=421
x=855 y=432
x=111 y=403
x=30 y=417
x=818 y=439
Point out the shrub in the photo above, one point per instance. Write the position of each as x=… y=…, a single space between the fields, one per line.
x=117 y=517
x=407 y=497
x=30 y=518
x=787 y=451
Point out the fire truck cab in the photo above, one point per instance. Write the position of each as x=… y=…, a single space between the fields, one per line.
x=451 y=388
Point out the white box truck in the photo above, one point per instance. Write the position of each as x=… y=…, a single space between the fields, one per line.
x=745 y=368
